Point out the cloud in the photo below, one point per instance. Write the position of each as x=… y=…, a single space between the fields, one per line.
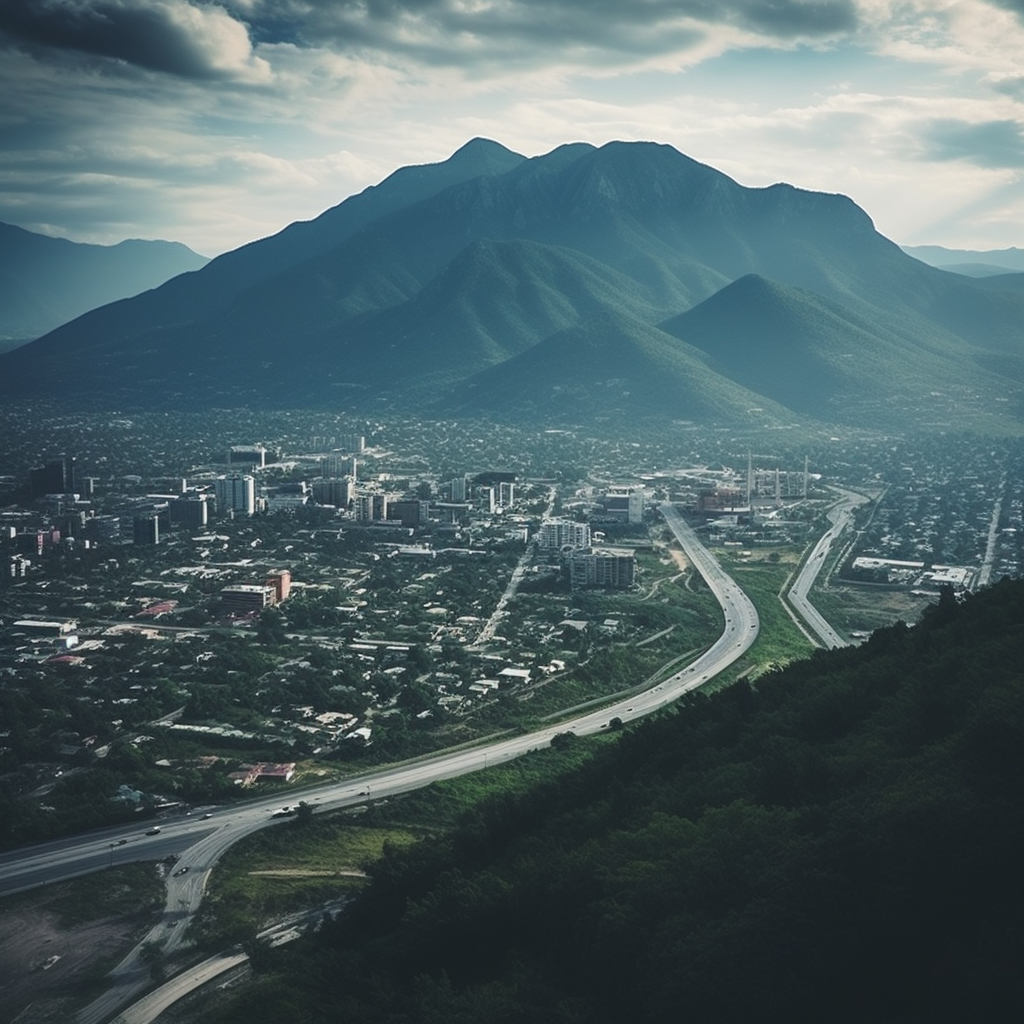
x=171 y=36
x=992 y=144
x=471 y=33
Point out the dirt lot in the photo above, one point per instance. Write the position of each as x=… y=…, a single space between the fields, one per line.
x=52 y=956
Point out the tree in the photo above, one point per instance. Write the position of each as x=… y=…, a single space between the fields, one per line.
x=270 y=628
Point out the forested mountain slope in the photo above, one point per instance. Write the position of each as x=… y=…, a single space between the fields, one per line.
x=839 y=842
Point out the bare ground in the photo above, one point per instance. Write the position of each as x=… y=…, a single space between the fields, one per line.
x=31 y=936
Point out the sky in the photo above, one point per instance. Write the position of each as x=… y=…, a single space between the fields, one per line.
x=215 y=123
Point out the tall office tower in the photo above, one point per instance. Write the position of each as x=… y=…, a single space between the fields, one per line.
x=56 y=477
x=506 y=493
x=458 y=488
x=333 y=465
x=380 y=506
x=353 y=443
x=485 y=496
x=235 y=494
x=146 y=529
x=189 y=511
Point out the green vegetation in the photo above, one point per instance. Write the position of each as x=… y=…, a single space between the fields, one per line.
x=779 y=640
x=838 y=842
x=276 y=871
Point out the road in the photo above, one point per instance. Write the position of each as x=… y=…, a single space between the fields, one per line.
x=491 y=626
x=840 y=517
x=200 y=843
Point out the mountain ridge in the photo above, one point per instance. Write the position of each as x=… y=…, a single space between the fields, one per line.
x=663 y=232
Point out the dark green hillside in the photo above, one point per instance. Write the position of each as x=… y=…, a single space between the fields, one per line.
x=494 y=300
x=609 y=366
x=822 y=359
x=840 y=843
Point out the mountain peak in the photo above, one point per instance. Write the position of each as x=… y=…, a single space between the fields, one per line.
x=479 y=146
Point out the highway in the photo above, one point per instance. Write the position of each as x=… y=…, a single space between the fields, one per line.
x=840 y=516
x=200 y=843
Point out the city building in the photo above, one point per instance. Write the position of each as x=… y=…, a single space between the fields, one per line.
x=333 y=491
x=281 y=582
x=555 y=534
x=190 y=510
x=247 y=456
x=235 y=493
x=624 y=503
x=56 y=477
x=409 y=513
x=602 y=567
x=457 y=488
x=146 y=529
x=243 y=598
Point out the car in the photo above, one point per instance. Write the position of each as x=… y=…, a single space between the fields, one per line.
x=181 y=871
x=121 y=842
x=206 y=816
x=154 y=831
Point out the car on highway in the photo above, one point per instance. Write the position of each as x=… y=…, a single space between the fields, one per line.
x=181 y=871
x=206 y=816
x=121 y=842
x=154 y=831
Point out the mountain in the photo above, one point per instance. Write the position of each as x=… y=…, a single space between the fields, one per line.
x=44 y=282
x=972 y=262
x=604 y=368
x=412 y=288
x=823 y=360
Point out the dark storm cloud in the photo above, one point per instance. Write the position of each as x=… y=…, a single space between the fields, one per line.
x=166 y=35
x=993 y=144
x=459 y=32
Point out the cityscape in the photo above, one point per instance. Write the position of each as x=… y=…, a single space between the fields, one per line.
x=511 y=513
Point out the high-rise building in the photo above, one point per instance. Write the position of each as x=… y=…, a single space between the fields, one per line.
x=281 y=582
x=602 y=567
x=625 y=503
x=56 y=477
x=457 y=487
x=189 y=511
x=410 y=513
x=352 y=443
x=235 y=494
x=506 y=493
x=146 y=529
x=486 y=498
x=556 y=534
x=333 y=491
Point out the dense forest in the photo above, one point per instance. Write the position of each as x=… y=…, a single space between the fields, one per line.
x=840 y=841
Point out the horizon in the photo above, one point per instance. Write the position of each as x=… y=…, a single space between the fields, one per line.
x=216 y=124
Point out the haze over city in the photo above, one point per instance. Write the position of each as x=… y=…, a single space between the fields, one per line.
x=215 y=124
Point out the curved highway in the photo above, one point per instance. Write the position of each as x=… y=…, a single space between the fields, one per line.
x=840 y=516
x=200 y=842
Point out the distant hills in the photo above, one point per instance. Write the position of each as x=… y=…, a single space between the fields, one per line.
x=44 y=282
x=972 y=262
x=624 y=280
